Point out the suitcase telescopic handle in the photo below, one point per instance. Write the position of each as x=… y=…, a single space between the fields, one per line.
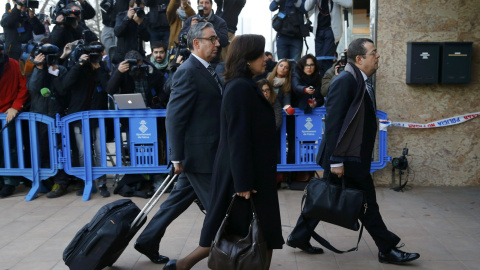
x=151 y=203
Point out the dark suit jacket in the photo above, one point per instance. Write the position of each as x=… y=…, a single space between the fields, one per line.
x=193 y=117
x=341 y=99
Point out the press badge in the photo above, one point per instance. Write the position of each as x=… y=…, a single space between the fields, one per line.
x=21 y=29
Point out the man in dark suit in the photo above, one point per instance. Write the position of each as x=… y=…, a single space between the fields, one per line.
x=346 y=150
x=193 y=130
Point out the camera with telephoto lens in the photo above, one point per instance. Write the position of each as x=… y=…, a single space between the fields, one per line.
x=28 y=3
x=342 y=62
x=50 y=52
x=401 y=163
x=136 y=69
x=67 y=20
x=106 y=5
x=201 y=14
x=140 y=12
x=94 y=52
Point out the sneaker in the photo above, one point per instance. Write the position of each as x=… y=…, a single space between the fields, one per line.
x=104 y=191
x=57 y=191
x=6 y=191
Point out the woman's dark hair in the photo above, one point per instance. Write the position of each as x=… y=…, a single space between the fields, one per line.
x=299 y=67
x=273 y=94
x=243 y=48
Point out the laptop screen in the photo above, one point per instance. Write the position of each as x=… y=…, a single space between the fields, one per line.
x=129 y=101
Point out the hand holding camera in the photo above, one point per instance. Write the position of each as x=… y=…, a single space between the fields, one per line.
x=124 y=66
x=39 y=60
x=83 y=59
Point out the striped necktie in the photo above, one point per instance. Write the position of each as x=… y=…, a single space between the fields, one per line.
x=215 y=76
x=371 y=92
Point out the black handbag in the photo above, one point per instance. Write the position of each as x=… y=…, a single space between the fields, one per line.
x=277 y=22
x=233 y=252
x=334 y=204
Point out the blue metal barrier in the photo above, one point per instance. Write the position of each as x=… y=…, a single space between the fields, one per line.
x=35 y=172
x=143 y=148
x=308 y=135
x=142 y=145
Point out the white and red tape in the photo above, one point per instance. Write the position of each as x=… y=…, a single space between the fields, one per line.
x=439 y=123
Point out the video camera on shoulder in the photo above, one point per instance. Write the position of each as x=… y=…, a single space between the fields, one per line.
x=28 y=3
x=181 y=48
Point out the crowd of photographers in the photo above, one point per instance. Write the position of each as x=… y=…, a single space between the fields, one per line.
x=71 y=69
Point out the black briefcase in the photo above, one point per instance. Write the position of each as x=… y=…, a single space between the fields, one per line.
x=101 y=242
x=334 y=204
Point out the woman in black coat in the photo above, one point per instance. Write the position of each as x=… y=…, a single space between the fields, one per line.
x=245 y=163
x=307 y=83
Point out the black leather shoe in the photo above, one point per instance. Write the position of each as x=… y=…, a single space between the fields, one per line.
x=305 y=246
x=396 y=256
x=155 y=257
x=171 y=265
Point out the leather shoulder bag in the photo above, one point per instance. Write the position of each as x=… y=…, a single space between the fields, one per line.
x=334 y=204
x=233 y=252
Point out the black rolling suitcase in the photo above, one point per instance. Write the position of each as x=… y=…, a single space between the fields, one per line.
x=101 y=242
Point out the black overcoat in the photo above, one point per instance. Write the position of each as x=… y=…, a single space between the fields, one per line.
x=245 y=160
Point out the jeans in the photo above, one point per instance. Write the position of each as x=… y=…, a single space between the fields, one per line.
x=108 y=39
x=77 y=130
x=289 y=47
x=324 y=46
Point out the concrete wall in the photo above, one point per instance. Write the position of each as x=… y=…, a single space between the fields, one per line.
x=446 y=156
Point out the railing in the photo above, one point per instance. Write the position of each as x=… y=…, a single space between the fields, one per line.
x=138 y=151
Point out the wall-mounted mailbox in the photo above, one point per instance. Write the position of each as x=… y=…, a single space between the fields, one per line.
x=456 y=62
x=423 y=59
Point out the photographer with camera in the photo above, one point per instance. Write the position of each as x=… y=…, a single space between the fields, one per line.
x=86 y=82
x=19 y=24
x=131 y=29
x=88 y=12
x=13 y=96
x=289 y=37
x=333 y=72
x=69 y=26
x=134 y=76
x=205 y=14
x=47 y=94
x=177 y=12
x=110 y=10
x=158 y=26
x=328 y=27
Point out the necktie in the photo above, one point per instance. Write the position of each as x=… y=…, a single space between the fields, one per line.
x=215 y=76
x=371 y=92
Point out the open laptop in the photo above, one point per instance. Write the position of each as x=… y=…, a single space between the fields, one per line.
x=129 y=101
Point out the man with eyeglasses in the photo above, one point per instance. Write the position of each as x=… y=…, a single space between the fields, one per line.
x=347 y=147
x=219 y=25
x=193 y=130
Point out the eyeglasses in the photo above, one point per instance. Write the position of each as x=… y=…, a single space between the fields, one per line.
x=374 y=53
x=266 y=91
x=212 y=39
x=310 y=65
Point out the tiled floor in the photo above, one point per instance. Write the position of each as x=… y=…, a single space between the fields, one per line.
x=441 y=223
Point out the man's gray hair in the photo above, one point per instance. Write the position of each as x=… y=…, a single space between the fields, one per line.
x=195 y=32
